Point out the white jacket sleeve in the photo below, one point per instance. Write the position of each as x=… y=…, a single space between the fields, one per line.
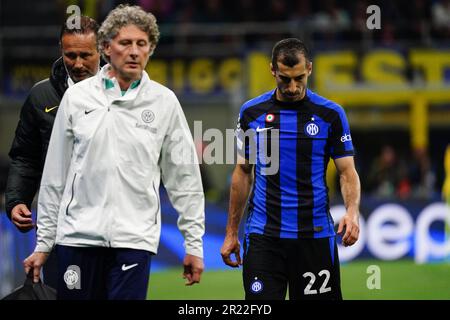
x=54 y=177
x=182 y=180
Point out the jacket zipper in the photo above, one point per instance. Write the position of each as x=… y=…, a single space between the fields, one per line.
x=110 y=200
x=73 y=193
x=157 y=197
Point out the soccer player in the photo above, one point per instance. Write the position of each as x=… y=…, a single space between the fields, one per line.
x=289 y=234
x=80 y=60
x=115 y=136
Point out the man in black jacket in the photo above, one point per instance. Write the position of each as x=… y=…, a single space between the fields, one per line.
x=80 y=60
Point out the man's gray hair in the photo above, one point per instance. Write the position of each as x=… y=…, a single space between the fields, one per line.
x=124 y=15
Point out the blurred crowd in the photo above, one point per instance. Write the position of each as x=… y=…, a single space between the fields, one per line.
x=401 y=177
x=418 y=21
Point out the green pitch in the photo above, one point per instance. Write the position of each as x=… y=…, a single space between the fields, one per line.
x=399 y=280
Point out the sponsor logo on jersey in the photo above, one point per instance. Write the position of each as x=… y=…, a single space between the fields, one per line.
x=258 y=129
x=346 y=137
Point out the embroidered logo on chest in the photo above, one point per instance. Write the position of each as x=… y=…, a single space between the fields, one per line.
x=147 y=116
x=312 y=129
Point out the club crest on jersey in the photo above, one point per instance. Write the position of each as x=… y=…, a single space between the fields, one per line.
x=312 y=129
x=256 y=286
x=147 y=116
x=270 y=117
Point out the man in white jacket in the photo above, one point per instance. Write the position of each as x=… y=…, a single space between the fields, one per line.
x=115 y=137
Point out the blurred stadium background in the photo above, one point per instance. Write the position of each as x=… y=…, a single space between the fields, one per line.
x=393 y=83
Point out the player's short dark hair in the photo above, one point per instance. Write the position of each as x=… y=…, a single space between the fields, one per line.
x=287 y=50
x=87 y=25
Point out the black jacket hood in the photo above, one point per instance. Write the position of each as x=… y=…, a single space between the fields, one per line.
x=58 y=77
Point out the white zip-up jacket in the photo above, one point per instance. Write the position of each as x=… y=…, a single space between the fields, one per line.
x=106 y=157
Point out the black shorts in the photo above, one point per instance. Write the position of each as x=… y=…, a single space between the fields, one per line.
x=310 y=267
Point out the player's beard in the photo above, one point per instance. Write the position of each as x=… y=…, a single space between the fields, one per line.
x=292 y=97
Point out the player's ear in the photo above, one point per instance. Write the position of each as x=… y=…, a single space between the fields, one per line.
x=309 y=66
x=272 y=69
x=107 y=48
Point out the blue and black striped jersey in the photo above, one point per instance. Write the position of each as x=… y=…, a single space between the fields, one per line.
x=292 y=202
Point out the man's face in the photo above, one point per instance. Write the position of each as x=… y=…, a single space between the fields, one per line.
x=129 y=52
x=80 y=55
x=292 y=81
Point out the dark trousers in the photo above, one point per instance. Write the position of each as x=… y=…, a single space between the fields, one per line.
x=309 y=267
x=50 y=270
x=92 y=273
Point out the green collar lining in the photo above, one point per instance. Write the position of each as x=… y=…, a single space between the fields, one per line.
x=110 y=84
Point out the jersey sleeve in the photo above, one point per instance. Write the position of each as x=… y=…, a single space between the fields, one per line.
x=242 y=138
x=341 y=140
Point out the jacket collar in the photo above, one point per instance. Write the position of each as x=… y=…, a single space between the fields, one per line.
x=111 y=86
x=58 y=77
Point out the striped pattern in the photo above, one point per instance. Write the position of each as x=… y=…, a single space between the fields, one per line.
x=293 y=202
